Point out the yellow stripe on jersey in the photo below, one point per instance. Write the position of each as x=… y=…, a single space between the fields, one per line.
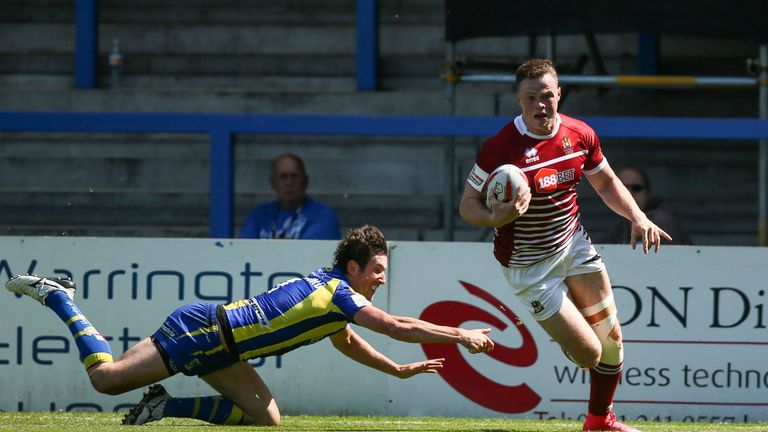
x=319 y=303
x=317 y=332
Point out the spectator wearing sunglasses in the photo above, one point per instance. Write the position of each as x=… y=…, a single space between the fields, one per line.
x=636 y=181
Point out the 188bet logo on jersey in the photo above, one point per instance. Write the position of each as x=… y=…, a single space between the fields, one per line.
x=547 y=179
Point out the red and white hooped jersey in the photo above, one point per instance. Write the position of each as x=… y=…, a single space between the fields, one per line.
x=554 y=165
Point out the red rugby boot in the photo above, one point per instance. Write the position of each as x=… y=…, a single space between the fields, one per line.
x=607 y=422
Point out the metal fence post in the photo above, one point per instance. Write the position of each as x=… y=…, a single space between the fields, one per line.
x=221 y=211
x=86 y=43
x=367 y=45
x=762 y=184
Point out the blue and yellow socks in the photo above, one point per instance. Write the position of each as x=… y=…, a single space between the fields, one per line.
x=212 y=409
x=90 y=343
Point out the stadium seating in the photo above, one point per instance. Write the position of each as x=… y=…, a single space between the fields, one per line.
x=299 y=57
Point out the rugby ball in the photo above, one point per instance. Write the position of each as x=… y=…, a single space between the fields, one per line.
x=503 y=183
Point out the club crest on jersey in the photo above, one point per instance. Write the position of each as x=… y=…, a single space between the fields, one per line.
x=531 y=155
x=567 y=145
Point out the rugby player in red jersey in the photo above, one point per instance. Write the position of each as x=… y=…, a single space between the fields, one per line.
x=546 y=255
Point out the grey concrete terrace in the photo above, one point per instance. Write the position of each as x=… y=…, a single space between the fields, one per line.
x=298 y=57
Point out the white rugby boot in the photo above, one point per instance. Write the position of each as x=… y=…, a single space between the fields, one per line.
x=150 y=407
x=39 y=287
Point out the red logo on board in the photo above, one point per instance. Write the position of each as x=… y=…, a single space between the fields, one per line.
x=460 y=375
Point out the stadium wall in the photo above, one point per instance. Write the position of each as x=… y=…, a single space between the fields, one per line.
x=694 y=323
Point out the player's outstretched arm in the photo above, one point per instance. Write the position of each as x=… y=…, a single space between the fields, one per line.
x=413 y=330
x=358 y=349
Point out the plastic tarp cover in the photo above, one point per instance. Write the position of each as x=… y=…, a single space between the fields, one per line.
x=742 y=20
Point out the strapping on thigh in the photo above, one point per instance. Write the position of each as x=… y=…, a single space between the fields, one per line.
x=599 y=311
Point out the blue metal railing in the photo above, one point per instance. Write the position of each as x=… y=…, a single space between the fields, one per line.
x=222 y=127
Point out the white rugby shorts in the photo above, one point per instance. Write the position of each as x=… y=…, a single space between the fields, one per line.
x=541 y=286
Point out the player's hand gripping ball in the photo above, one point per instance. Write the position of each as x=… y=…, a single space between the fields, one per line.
x=503 y=184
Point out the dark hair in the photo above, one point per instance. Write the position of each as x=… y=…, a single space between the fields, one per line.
x=295 y=158
x=533 y=69
x=359 y=245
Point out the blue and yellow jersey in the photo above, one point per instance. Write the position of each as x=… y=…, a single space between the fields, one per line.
x=294 y=313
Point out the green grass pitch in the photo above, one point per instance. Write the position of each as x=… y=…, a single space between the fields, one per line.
x=108 y=422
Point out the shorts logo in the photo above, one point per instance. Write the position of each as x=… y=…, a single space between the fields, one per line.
x=173 y=366
x=537 y=306
x=168 y=331
x=192 y=365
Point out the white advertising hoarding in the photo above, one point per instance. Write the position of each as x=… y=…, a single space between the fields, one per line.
x=693 y=321
x=694 y=324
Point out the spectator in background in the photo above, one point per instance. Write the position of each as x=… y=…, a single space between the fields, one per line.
x=636 y=181
x=294 y=215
